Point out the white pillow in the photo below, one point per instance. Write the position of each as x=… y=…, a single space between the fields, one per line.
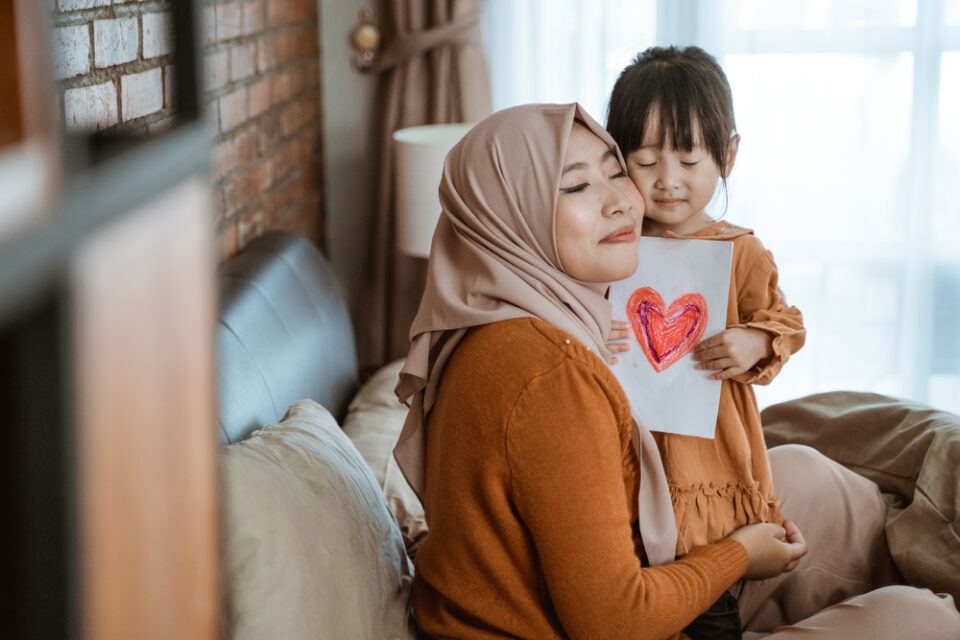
x=375 y=417
x=310 y=549
x=374 y=420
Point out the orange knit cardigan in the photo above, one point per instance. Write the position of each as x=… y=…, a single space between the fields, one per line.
x=531 y=489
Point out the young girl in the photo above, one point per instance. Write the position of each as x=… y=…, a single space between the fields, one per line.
x=671 y=113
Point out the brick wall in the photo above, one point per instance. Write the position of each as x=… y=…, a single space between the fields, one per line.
x=261 y=79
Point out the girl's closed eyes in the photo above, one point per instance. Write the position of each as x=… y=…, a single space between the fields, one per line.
x=689 y=160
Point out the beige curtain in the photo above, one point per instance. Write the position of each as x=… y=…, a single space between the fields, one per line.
x=433 y=71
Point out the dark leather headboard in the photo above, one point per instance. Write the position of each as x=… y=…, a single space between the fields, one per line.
x=284 y=334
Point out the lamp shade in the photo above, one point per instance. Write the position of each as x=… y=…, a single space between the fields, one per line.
x=419 y=154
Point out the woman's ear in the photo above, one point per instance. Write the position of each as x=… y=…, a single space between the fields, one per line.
x=731 y=158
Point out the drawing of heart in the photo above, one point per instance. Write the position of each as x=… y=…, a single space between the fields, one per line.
x=666 y=335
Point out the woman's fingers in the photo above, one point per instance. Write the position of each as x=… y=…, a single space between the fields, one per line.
x=619 y=330
x=797 y=550
x=767 y=553
x=794 y=536
x=796 y=543
x=771 y=549
x=793 y=531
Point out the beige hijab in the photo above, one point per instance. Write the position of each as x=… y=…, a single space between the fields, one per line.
x=494 y=257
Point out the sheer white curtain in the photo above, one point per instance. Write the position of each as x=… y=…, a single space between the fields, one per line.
x=849 y=164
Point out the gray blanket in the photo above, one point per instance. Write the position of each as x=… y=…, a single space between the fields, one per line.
x=910 y=450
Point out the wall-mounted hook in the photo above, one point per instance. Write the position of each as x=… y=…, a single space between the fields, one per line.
x=365 y=38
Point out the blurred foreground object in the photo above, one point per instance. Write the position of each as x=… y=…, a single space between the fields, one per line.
x=29 y=145
x=107 y=313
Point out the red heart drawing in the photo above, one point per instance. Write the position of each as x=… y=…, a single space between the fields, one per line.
x=666 y=335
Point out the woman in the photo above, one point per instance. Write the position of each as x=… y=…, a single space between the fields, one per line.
x=544 y=498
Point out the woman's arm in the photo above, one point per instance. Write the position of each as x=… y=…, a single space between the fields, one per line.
x=565 y=450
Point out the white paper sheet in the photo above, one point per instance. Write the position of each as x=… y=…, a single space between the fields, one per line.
x=676 y=299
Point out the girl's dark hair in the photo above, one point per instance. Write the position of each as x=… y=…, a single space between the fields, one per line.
x=688 y=89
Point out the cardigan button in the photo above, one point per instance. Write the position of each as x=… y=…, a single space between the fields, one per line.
x=566 y=341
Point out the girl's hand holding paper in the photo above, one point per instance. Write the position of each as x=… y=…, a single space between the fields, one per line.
x=733 y=351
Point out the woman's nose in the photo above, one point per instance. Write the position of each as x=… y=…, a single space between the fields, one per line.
x=616 y=200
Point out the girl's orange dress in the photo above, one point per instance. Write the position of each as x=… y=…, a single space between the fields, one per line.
x=720 y=485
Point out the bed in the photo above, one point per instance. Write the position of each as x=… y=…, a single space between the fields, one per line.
x=310 y=548
x=318 y=525
x=912 y=451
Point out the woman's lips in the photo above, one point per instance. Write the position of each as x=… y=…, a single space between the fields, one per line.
x=627 y=234
x=669 y=203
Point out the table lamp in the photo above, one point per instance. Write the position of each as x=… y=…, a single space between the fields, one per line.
x=419 y=154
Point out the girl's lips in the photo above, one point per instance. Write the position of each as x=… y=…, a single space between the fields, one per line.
x=669 y=203
x=623 y=235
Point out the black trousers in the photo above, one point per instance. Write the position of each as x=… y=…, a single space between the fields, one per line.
x=720 y=622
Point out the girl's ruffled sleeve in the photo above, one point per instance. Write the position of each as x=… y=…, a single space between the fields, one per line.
x=762 y=305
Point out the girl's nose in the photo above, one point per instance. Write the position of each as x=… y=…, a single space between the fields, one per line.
x=668 y=176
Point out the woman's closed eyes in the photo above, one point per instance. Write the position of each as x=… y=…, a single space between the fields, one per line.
x=583 y=186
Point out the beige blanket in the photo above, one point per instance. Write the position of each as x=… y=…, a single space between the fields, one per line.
x=910 y=450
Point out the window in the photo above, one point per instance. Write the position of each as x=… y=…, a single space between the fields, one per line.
x=849 y=155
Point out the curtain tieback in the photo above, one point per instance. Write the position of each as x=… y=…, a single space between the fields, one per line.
x=462 y=30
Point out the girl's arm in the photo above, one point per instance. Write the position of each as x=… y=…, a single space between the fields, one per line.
x=761 y=305
x=768 y=332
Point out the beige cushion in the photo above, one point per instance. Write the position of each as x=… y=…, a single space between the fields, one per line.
x=910 y=450
x=374 y=420
x=310 y=549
